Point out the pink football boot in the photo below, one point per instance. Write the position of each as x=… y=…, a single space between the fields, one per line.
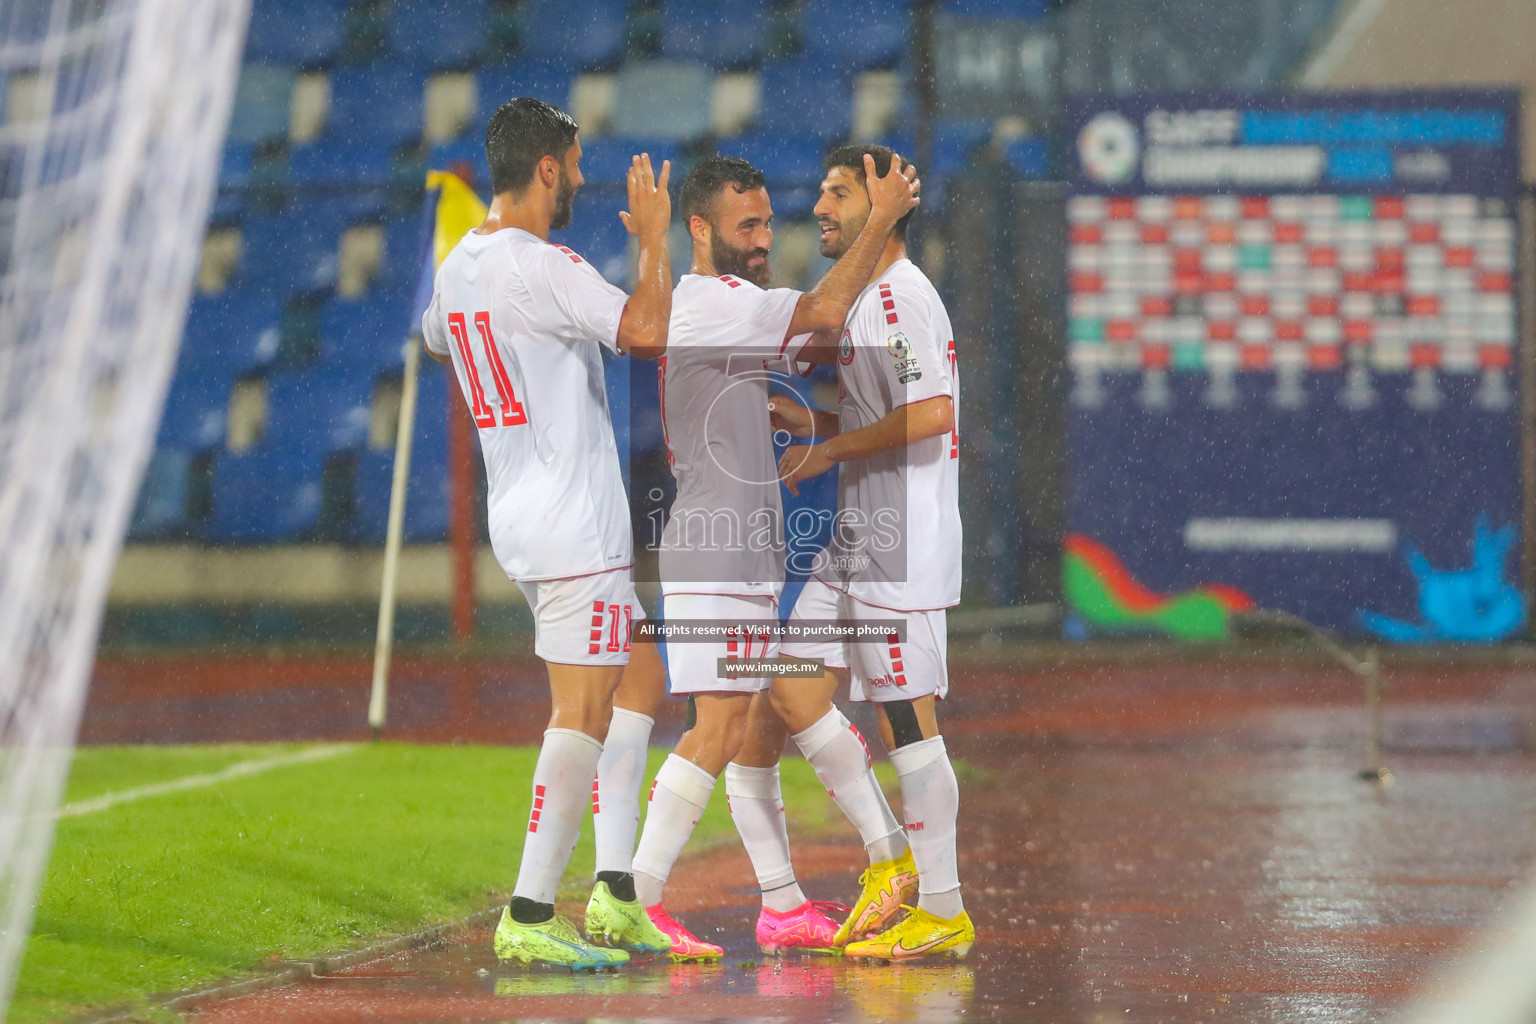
x=686 y=947
x=806 y=929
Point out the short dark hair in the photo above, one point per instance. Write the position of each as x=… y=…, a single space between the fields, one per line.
x=708 y=177
x=852 y=158
x=522 y=132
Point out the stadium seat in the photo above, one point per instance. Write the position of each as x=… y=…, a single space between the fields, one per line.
x=597 y=234
x=855 y=34
x=343 y=160
x=265 y=495
x=1023 y=10
x=791 y=165
x=542 y=80
x=404 y=254
x=805 y=97
x=230 y=335
x=1029 y=157
x=161 y=506
x=262 y=97
x=302 y=33
x=457 y=154
x=588 y=36
x=662 y=99
x=383 y=104
x=196 y=412
x=433 y=35
x=364 y=336
x=607 y=159
x=235 y=167
x=426 y=507
x=295 y=251
x=725 y=34
x=321 y=410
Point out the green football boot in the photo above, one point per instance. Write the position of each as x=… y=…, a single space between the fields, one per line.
x=624 y=925
x=552 y=942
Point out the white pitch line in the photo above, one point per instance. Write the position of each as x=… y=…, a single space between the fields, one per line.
x=238 y=770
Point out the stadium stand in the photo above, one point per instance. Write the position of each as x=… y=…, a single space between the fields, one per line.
x=315 y=244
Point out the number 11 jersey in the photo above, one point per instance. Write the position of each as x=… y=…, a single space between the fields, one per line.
x=522 y=320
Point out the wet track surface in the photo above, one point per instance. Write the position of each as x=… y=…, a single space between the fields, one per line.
x=1165 y=844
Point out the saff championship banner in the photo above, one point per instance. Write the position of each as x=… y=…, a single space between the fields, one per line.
x=1292 y=342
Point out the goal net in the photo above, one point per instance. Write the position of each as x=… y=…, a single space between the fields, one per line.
x=114 y=112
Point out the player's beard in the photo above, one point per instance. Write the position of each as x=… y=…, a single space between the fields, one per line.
x=847 y=231
x=564 y=201
x=730 y=260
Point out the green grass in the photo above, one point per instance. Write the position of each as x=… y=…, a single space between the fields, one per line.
x=171 y=891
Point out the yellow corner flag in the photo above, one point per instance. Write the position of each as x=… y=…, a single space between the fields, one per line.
x=459 y=211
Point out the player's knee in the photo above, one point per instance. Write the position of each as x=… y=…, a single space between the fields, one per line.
x=905 y=728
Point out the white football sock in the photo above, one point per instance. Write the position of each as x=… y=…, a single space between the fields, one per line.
x=840 y=756
x=561 y=780
x=616 y=789
x=678 y=796
x=930 y=803
x=757 y=808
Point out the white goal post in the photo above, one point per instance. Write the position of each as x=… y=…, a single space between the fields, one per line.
x=115 y=113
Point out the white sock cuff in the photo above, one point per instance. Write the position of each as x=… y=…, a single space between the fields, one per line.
x=751 y=782
x=687 y=780
x=631 y=718
x=916 y=756
x=578 y=734
x=827 y=728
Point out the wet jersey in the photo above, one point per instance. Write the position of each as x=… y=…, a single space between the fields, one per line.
x=522 y=320
x=725 y=533
x=899 y=512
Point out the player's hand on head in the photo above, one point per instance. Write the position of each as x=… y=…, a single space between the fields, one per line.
x=650 y=205
x=892 y=189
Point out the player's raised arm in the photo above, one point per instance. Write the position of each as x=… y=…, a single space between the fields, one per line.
x=906 y=425
x=891 y=197
x=643 y=327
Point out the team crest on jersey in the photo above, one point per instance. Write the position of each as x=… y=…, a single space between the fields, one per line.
x=845 y=349
x=899 y=346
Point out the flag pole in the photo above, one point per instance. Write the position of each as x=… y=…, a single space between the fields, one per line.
x=384 y=644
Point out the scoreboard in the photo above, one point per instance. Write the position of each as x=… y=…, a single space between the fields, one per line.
x=1292 y=334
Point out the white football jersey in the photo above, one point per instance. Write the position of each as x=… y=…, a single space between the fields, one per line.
x=898 y=348
x=725 y=534
x=522 y=320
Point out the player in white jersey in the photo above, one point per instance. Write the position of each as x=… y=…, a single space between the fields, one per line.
x=721 y=558
x=520 y=320
x=895 y=559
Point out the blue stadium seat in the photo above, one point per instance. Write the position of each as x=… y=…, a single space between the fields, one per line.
x=662 y=99
x=304 y=33
x=322 y=410
x=1029 y=157
x=725 y=34
x=805 y=97
x=364 y=336
x=791 y=164
x=383 y=104
x=296 y=251
x=265 y=495
x=607 y=159
x=856 y=34
x=426 y=506
x=338 y=161
x=1023 y=10
x=196 y=412
x=229 y=335
x=597 y=234
x=262 y=98
x=587 y=36
x=545 y=81
x=435 y=35
x=404 y=253
x=468 y=151
x=161 y=507
x=235 y=166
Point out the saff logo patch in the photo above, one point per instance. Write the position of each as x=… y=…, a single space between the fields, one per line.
x=845 y=349
x=899 y=346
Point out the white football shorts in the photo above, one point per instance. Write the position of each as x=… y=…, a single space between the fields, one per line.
x=584 y=620
x=693 y=666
